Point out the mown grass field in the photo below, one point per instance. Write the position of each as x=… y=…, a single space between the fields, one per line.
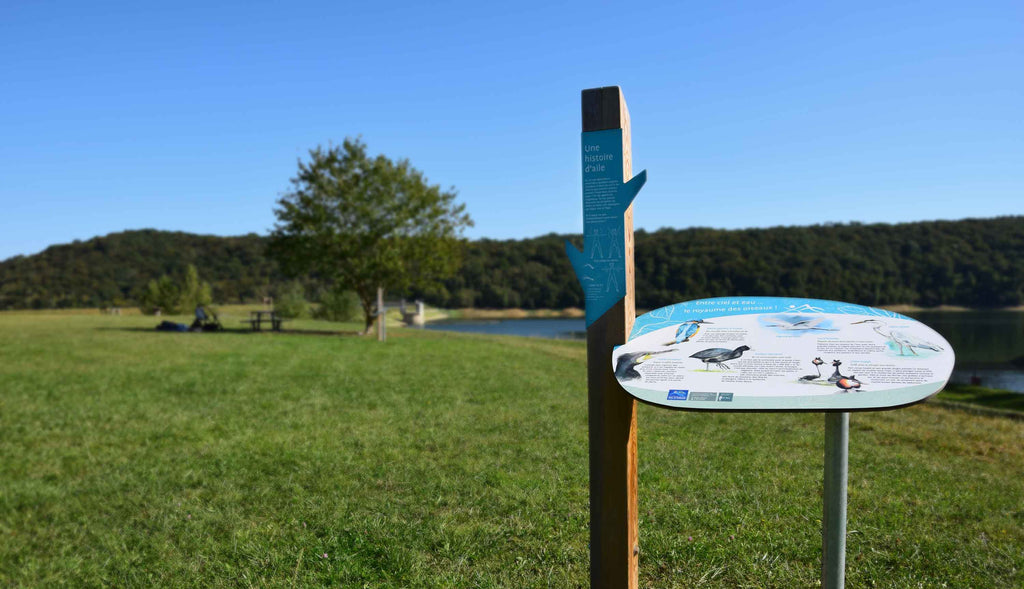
x=133 y=458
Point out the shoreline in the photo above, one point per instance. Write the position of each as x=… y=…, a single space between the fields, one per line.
x=440 y=314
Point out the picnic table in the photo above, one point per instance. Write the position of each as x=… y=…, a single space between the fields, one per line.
x=258 y=318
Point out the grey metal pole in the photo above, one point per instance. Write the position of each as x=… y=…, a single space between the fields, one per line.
x=837 y=452
x=381 y=327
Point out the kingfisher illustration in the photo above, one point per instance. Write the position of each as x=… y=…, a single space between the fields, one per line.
x=687 y=330
x=625 y=366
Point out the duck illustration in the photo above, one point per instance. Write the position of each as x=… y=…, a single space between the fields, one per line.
x=719 y=356
x=817 y=365
x=625 y=366
x=836 y=376
x=688 y=330
x=899 y=337
x=848 y=383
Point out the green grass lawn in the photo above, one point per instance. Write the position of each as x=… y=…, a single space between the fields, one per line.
x=133 y=458
x=984 y=397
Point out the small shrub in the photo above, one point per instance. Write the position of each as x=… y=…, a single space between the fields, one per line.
x=171 y=298
x=339 y=305
x=465 y=298
x=290 y=301
x=193 y=292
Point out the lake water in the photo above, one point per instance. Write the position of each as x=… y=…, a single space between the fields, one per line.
x=986 y=342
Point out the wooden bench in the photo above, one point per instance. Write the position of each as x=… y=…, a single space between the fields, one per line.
x=258 y=318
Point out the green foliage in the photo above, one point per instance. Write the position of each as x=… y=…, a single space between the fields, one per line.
x=290 y=302
x=193 y=291
x=984 y=397
x=160 y=295
x=339 y=305
x=366 y=222
x=139 y=459
x=973 y=263
x=464 y=297
x=104 y=270
x=171 y=297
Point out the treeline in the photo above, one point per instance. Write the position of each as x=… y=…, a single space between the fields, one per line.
x=115 y=269
x=973 y=262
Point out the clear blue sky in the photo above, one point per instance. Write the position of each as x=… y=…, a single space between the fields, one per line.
x=121 y=116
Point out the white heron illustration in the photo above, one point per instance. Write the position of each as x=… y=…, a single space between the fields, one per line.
x=899 y=337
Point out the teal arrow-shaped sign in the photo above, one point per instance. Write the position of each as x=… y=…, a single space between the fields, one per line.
x=601 y=266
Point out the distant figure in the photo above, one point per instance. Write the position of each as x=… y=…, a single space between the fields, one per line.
x=205 y=320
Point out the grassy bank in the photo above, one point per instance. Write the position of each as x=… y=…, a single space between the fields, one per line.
x=573 y=312
x=983 y=397
x=137 y=458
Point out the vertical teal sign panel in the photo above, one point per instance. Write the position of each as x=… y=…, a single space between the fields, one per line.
x=601 y=267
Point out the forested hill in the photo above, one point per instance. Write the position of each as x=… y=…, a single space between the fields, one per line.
x=973 y=262
x=109 y=270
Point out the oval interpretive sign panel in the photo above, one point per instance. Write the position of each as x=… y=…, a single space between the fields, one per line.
x=780 y=354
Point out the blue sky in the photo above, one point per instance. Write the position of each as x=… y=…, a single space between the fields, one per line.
x=192 y=117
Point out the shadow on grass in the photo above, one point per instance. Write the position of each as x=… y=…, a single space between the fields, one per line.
x=234 y=331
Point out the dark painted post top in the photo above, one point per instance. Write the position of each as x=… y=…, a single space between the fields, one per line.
x=602 y=109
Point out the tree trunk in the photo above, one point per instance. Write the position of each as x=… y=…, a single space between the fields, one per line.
x=367 y=301
x=369 y=319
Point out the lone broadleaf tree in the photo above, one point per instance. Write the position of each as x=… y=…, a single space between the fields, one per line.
x=361 y=223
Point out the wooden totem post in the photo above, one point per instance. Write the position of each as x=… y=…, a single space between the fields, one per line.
x=605 y=271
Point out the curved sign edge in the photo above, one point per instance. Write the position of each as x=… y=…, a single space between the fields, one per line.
x=787 y=316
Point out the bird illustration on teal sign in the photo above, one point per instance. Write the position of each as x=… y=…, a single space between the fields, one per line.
x=625 y=366
x=899 y=338
x=719 y=356
x=687 y=330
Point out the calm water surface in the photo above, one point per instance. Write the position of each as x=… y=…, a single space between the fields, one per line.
x=986 y=342
x=546 y=328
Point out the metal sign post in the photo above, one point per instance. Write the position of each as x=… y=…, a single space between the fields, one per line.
x=833 y=523
x=381 y=328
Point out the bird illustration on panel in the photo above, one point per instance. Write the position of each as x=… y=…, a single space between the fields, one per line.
x=625 y=366
x=899 y=338
x=817 y=365
x=719 y=356
x=687 y=330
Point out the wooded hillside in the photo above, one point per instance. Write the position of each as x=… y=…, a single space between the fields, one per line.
x=111 y=270
x=972 y=262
